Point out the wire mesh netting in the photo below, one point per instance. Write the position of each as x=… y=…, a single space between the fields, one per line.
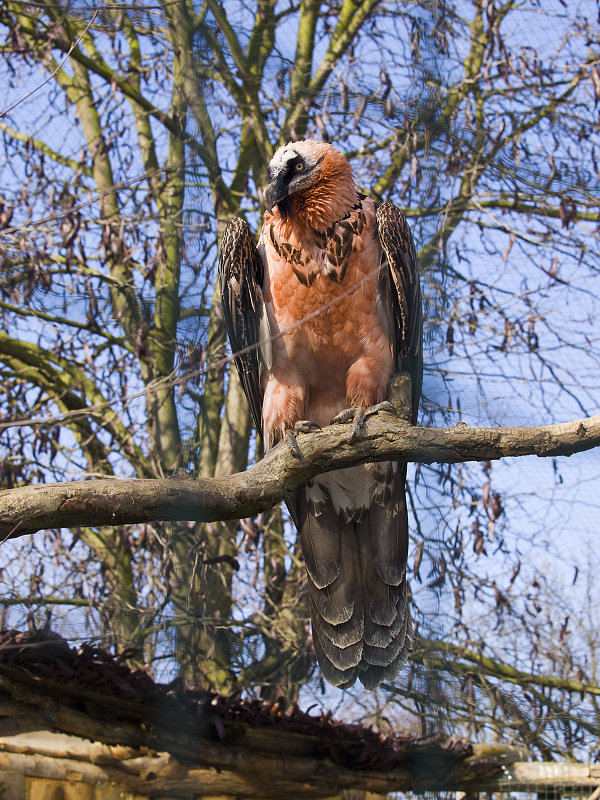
x=130 y=134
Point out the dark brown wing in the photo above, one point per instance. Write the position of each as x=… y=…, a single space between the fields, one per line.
x=400 y=296
x=241 y=274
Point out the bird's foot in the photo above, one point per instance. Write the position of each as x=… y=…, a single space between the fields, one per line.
x=307 y=426
x=385 y=405
x=302 y=426
x=357 y=415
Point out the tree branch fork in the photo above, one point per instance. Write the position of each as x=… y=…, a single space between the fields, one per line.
x=121 y=501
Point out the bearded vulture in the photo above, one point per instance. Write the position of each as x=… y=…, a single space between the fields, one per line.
x=320 y=315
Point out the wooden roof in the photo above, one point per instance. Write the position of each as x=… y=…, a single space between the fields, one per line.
x=80 y=711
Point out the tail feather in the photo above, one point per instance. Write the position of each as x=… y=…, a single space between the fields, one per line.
x=385 y=654
x=375 y=676
x=337 y=677
x=358 y=601
x=382 y=605
x=342 y=658
x=343 y=635
x=335 y=603
x=377 y=635
x=389 y=526
x=321 y=551
x=339 y=599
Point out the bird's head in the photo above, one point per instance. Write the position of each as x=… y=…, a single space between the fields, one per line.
x=310 y=180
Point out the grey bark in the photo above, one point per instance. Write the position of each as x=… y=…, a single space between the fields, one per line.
x=128 y=501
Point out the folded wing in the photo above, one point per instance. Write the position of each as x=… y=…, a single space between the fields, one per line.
x=241 y=274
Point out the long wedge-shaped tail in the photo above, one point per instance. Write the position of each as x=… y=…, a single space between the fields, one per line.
x=354 y=535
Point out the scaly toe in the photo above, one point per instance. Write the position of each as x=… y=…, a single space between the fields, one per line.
x=307 y=426
x=363 y=413
x=345 y=416
x=358 y=424
x=384 y=406
x=357 y=416
x=292 y=444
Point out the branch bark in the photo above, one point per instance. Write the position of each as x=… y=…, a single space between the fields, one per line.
x=128 y=501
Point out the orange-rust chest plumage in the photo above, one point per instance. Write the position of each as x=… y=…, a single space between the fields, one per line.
x=321 y=296
x=318 y=286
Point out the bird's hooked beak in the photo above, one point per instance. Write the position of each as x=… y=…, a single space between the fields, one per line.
x=275 y=193
x=270 y=195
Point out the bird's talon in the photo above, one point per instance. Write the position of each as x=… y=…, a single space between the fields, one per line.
x=307 y=426
x=358 y=424
x=292 y=444
x=384 y=406
x=345 y=416
x=357 y=415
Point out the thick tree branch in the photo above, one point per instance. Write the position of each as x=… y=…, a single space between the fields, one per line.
x=128 y=501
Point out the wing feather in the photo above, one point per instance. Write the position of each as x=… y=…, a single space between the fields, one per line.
x=241 y=274
x=400 y=296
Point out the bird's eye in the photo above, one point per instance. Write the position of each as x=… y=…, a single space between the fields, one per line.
x=299 y=166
